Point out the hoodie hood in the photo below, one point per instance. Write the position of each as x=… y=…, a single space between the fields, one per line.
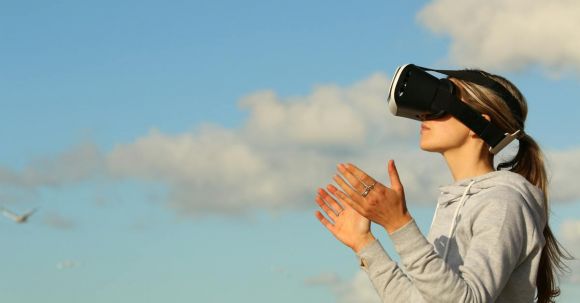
x=532 y=194
x=460 y=192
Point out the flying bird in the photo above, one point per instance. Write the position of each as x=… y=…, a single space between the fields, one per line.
x=17 y=218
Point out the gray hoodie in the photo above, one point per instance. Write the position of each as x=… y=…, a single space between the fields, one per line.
x=484 y=246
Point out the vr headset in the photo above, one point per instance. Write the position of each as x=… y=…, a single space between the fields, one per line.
x=418 y=95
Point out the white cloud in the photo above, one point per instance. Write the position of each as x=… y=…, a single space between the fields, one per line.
x=75 y=165
x=357 y=290
x=323 y=279
x=329 y=116
x=569 y=236
x=285 y=150
x=563 y=169
x=508 y=35
x=311 y=122
x=211 y=170
x=570 y=233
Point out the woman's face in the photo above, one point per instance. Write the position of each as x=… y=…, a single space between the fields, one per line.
x=442 y=134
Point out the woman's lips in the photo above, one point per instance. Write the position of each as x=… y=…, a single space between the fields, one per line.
x=424 y=128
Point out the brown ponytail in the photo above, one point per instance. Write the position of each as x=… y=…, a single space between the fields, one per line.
x=529 y=163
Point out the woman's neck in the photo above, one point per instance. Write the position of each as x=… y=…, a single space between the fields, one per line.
x=465 y=163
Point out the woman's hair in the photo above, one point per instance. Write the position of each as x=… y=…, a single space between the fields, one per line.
x=528 y=162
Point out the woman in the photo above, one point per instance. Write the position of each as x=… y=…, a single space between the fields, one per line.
x=489 y=240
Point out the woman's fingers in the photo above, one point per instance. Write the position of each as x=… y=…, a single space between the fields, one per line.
x=324 y=221
x=332 y=214
x=339 y=194
x=353 y=180
x=351 y=198
x=344 y=186
x=394 y=176
x=329 y=201
x=355 y=200
x=359 y=174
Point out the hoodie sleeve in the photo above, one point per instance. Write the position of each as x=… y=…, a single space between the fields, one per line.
x=494 y=251
x=390 y=282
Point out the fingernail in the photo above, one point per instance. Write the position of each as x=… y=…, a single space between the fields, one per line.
x=341 y=167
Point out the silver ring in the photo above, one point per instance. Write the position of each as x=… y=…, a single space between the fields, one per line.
x=368 y=188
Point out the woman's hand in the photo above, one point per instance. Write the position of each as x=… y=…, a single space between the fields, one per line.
x=382 y=205
x=348 y=226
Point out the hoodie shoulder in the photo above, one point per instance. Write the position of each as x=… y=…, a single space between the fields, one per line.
x=503 y=178
x=512 y=194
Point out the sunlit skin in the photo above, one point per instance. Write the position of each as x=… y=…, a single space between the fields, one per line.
x=465 y=153
x=466 y=156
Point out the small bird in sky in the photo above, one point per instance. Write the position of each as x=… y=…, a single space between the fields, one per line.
x=17 y=218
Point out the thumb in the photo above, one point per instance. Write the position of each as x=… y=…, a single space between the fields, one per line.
x=394 y=176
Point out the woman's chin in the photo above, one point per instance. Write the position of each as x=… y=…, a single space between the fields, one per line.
x=429 y=147
x=424 y=145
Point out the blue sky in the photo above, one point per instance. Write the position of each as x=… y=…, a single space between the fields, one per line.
x=140 y=129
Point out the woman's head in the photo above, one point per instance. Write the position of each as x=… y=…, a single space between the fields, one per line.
x=447 y=132
x=529 y=160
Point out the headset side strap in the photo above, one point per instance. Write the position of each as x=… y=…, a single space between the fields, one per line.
x=487 y=131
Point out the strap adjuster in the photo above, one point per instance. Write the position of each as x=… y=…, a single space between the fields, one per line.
x=505 y=141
